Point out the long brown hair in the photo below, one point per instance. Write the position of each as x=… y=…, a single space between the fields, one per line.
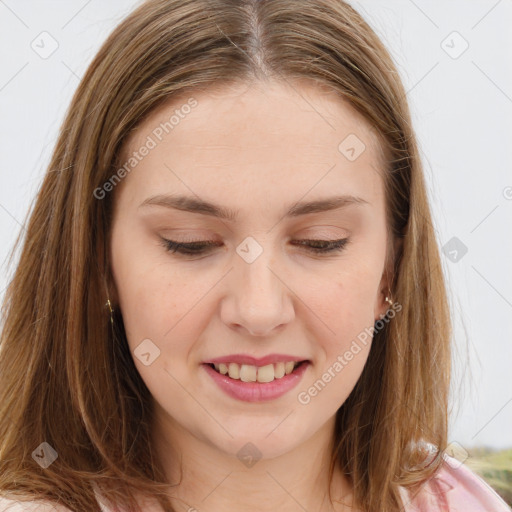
x=68 y=379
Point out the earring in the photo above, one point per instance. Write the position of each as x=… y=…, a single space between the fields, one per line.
x=390 y=302
x=109 y=304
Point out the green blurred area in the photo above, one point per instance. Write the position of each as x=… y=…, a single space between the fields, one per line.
x=495 y=467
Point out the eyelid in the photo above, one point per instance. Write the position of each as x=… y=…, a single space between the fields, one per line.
x=313 y=245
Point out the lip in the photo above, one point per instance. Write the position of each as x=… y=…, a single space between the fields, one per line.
x=255 y=361
x=257 y=391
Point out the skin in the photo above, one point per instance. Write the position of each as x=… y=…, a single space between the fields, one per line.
x=258 y=149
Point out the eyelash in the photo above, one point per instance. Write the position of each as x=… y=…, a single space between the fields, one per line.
x=201 y=247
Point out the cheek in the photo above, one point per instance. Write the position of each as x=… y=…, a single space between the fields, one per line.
x=344 y=298
x=169 y=305
x=344 y=303
x=155 y=302
x=151 y=293
x=160 y=323
x=334 y=380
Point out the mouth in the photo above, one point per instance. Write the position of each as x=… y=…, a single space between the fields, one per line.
x=250 y=383
x=252 y=373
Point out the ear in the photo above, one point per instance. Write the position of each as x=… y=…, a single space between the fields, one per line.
x=381 y=305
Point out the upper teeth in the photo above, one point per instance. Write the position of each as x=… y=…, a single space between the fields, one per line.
x=250 y=373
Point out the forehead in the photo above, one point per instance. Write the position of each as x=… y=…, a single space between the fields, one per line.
x=288 y=137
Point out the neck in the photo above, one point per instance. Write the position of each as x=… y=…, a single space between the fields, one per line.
x=207 y=477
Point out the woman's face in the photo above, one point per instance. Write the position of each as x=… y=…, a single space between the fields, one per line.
x=275 y=160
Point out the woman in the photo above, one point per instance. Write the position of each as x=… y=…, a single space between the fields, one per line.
x=230 y=293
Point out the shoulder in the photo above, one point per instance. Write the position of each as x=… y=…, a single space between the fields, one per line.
x=455 y=488
x=13 y=505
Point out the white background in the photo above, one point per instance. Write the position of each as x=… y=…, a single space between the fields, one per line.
x=462 y=115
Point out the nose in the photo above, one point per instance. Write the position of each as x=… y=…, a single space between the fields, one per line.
x=259 y=301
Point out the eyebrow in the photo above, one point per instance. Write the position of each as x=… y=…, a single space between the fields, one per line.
x=195 y=205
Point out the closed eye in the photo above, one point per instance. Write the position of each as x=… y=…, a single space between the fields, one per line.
x=205 y=246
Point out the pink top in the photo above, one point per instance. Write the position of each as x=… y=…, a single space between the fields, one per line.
x=454 y=488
